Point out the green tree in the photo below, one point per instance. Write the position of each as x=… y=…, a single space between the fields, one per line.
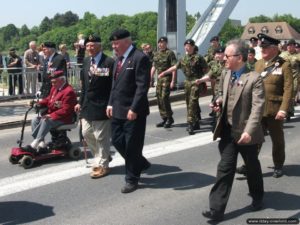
x=65 y=20
x=45 y=25
x=24 y=31
x=230 y=31
x=9 y=32
x=190 y=22
x=260 y=19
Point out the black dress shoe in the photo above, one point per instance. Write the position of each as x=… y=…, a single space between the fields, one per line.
x=277 y=173
x=162 y=123
x=169 y=122
x=241 y=170
x=257 y=205
x=213 y=215
x=129 y=187
x=28 y=148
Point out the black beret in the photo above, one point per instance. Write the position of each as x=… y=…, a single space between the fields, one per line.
x=92 y=38
x=49 y=44
x=12 y=49
x=220 y=49
x=214 y=38
x=190 y=42
x=56 y=74
x=119 y=34
x=253 y=39
x=251 y=51
x=163 y=38
x=291 y=42
x=266 y=40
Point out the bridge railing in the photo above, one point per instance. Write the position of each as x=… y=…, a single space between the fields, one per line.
x=25 y=82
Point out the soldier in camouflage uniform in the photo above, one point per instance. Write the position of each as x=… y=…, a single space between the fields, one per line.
x=216 y=67
x=214 y=44
x=293 y=57
x=251 y=60
x=163 y=59
x=193 y=66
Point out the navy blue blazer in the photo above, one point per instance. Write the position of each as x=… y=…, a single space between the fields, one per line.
x=95 y=89
x=130 y=87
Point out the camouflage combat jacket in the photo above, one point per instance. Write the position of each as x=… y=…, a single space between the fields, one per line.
x=163 y=60
x=294 y=60
x=193 y=66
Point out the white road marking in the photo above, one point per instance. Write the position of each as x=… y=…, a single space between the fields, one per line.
x=29 y=180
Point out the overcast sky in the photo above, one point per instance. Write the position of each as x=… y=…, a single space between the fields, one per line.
x=32 y=12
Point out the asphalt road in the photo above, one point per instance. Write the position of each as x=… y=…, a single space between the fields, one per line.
x=173 y=191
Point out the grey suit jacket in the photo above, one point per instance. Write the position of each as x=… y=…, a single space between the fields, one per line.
x=248 y=106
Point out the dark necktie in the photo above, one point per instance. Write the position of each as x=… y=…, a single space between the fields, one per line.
x=46 y=61
x=93 y=61
x=233 y=77
x=119 y=66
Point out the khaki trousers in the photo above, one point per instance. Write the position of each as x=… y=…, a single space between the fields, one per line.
x=97 y=136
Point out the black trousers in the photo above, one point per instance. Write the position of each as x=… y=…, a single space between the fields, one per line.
x=128 y=138
x=229 y=150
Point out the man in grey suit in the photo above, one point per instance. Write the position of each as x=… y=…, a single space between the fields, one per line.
x=241 y=103
x=128 y=106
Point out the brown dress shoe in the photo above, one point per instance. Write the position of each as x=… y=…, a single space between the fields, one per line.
x=99 y=172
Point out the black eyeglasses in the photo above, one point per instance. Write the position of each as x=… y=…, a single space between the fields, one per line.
x=228 y=56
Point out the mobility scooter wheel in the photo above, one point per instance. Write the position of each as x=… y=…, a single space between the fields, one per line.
x=27 y=161
x=75 y=153
x=13 y=159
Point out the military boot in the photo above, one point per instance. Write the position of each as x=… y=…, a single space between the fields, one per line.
x=196 y=126
x=191 y=129
x=162 y=123
x=169 y=122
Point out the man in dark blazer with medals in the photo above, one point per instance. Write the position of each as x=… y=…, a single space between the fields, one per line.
x=52 y=62
x=241 y=102
x=128 y=106
x=278 y=81
x=96 y=81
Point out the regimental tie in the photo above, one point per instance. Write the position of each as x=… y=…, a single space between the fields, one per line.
x=119 y=66
x=93 y=61
x=233 y=78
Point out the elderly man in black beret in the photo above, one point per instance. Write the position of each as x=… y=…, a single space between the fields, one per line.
x=52 y=62
x=60 y=110
x=128 y=106
x=96 y=79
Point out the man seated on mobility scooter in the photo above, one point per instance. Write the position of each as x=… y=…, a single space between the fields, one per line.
x=59 y=106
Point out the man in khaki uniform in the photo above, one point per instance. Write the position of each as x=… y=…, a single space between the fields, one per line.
x=293 y=58
x=278 y=81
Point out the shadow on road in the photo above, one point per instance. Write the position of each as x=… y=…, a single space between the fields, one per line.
x=175 y=178
x=21 y=212
x=275 y=200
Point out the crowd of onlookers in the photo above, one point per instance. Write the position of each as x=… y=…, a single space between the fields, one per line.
x=24 y=73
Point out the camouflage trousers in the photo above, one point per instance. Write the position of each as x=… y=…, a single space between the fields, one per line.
x=192 y=91
x=163 y=97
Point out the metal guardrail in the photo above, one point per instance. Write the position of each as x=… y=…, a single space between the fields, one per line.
x=29 y=81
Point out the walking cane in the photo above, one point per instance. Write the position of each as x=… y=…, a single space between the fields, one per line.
x=84 y=144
